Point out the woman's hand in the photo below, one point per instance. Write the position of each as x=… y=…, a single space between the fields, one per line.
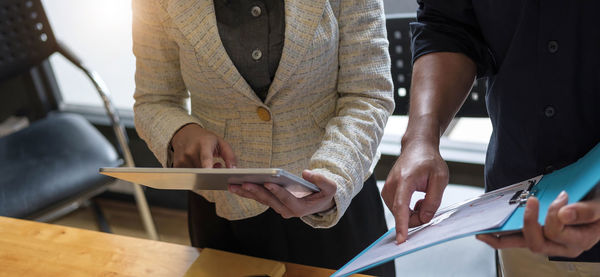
x=194 y=147
x=284 y=203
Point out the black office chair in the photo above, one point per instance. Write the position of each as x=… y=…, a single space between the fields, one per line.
x=399 y=37
x=50 y=167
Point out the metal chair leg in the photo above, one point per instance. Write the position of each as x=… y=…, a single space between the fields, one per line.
x=119 y=133
x=144 y=211
x=103 y=225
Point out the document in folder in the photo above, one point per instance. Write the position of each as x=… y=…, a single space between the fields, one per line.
x=497 y=211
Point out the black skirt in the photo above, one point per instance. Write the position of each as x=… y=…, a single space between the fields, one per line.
x=270 y=236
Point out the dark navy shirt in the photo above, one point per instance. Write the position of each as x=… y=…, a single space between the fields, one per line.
x=542 y=63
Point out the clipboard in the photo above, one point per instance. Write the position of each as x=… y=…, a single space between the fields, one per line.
x=577 y=179
x=493 y=212
x=210 y=178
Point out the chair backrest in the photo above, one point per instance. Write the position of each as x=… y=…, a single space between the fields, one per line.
x=400 y=52
x=26 y=38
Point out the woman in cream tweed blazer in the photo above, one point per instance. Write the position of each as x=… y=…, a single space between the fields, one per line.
x=325 y=109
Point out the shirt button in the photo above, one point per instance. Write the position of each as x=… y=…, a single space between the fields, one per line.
x=549 y=111
x=263 y=114
x=255 y=11
x=553 y=46
x=256 y=55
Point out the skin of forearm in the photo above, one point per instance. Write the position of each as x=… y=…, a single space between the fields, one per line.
x=441 y=82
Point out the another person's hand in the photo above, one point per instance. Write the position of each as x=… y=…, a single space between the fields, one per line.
x=568 y=230
x=196 y=147
x=286 y=204
x=419 y=168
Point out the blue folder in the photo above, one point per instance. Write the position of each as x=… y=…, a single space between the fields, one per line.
x=577 y=179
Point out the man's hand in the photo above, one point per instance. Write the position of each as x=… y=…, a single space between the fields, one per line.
x=440 y=83
x=284 y=203
x=195 y=147
x=568 y=230
x=419 y=168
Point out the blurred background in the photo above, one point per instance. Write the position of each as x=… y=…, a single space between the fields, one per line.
x=99 y=31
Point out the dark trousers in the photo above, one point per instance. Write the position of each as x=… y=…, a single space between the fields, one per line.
x=270 y=236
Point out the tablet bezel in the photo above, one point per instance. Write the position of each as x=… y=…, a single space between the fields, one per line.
x=209 y=178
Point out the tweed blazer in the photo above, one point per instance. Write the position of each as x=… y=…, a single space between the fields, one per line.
x=328 y=103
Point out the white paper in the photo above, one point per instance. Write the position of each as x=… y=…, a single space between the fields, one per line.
x=487 y=211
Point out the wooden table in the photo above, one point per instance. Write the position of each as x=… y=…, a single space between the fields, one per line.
x=30 y=248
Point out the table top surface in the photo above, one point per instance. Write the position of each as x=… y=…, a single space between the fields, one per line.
x=29 y=248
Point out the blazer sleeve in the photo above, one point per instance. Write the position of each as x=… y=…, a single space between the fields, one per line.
x=161 y=96
x=450 y=26
x=365 y=102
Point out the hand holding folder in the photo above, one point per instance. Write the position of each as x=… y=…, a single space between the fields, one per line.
x=497 y=211
x=567 y=231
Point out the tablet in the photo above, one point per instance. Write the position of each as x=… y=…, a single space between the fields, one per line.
x=209 y=178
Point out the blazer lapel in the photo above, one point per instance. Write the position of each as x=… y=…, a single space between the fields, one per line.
x=196 y=20
x=301 y=20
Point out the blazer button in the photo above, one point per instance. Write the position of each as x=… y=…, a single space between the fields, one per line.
x=263 y=114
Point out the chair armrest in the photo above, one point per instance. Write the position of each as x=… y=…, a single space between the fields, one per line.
x=104 y=94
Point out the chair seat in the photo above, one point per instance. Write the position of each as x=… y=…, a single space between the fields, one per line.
x=53 y=160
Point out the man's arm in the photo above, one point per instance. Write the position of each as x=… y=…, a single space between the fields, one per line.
x=441 y=81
